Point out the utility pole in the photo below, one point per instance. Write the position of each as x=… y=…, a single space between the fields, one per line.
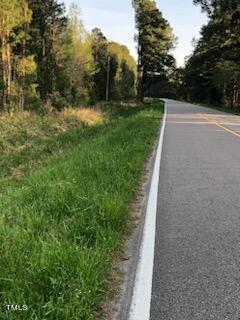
x=108 y=78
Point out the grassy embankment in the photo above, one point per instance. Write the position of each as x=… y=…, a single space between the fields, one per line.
x=66 y=190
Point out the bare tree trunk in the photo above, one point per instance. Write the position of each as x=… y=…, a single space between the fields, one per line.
x=21 y=100
x=140 y=93
x=8 y=71
x=23 y=82
x=232 y=92
x=235 y=92
x=140 y=89
x=238 y=94
x=224 y=94
x=3 y=56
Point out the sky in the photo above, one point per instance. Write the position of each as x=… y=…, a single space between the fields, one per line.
x=116 y=20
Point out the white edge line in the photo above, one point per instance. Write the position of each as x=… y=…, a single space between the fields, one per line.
x=142 y=292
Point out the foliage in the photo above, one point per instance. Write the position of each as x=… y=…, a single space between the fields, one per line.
x=48 y=58
x=100 y=55
x=80 y=63
x=13 y=15
x=213 y=71
x=155 y=39
x=48 y=21
x=123 y=88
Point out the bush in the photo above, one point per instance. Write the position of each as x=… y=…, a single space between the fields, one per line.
x=58 y=102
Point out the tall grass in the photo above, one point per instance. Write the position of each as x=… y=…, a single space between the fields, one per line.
x=27 y=139
x=61 y=227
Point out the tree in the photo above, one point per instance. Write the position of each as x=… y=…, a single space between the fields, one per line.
x=124 y=82
x=13 y=14
x=155 y=39
x=104 y=62
x=212 y=72
x=49 y=59
x=170 y=86
x=80 y=63
x=100 y=55
x=48 y=23
x=24 y=65
x=217 y=7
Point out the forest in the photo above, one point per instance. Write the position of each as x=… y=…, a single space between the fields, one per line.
x=212 y=73
x=48 y=59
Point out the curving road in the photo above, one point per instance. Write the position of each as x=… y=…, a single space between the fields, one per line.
x=196 y=272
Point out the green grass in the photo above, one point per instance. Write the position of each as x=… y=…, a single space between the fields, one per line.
x=28 y=140
x=62 y=225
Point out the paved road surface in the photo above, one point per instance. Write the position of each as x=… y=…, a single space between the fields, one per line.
x=197 y=254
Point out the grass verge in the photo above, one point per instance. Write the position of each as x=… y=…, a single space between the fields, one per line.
x=220 y=108
x=62 y=225
x=27 y=140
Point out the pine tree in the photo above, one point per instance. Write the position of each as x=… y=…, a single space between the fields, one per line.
x=48 y=22
x=155 y=39
x=213 y=71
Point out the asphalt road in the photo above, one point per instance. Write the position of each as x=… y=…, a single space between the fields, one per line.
x=197 y=251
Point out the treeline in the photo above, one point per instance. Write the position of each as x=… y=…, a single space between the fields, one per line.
x=47 y=58
x=212 y=73
x=155 y=39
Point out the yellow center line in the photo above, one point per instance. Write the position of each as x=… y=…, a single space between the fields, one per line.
x=235 y=133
